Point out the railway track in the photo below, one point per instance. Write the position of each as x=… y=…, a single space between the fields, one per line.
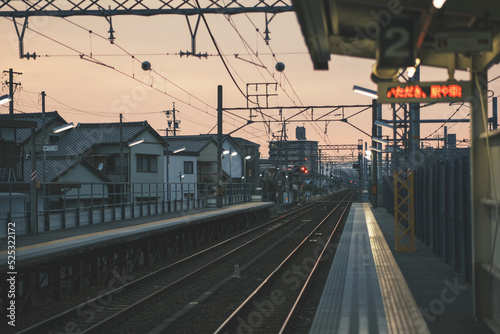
x=274 y=306
x=158 y=297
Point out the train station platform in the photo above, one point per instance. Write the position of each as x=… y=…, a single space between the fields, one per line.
x=373 y=289
x=61 y=243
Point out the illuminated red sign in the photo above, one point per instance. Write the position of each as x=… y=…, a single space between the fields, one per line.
x=413 y=92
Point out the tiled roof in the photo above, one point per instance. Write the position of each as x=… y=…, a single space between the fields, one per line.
x=244 y=142
x=191 y=143
x=86 y=135
x=56 y=167
x=23 y=134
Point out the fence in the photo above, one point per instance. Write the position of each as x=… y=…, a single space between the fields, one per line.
x=65 y=205
x=443 y=211
x=442 y=196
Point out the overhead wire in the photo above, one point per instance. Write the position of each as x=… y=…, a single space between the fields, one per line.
x=133 y=56
x=165 y=54
x=82 y=54
x=314 y=125
x=225 y=63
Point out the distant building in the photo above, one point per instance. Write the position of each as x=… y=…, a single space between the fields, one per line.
x=296 y=153
x=300 y=133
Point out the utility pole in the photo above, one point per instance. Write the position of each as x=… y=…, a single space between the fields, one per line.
x=44 y=167
x=219 y=146
x=166 y=161
x=172 y=122
x=11 y=84
x=121 y=148
x=122 y=161
x=33 y=204
x=44 y=141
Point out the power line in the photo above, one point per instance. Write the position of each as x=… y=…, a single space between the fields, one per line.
x=134 y=57
x=327 y=139
x=90 y=58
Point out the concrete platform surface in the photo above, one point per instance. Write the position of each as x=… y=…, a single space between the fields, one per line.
x=63 y=240
x=442 y=295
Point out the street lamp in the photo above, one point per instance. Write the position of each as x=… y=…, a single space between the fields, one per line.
x=166 y=172
x=365 y=91
x=231 y=154
x=136 y=142
x=248 y=157
x=63 y=127
x=179 y=150
x=5 y=98
x=438 y=3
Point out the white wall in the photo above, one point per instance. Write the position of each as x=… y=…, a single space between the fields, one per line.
x=175 y=169
x=81 y=174
x=152 y=146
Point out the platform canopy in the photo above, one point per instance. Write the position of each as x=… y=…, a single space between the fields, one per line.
x=445 y=37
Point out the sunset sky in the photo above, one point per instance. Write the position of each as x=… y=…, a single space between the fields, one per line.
x=91 y=91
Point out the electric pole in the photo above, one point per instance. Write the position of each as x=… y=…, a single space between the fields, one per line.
x=11 y=84
x=172 y=125
x=44 y=141
x=219 y=147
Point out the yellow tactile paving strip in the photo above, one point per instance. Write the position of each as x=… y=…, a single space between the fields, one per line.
x=403 y=315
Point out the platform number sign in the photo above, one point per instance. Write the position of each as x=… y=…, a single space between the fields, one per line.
x=396 y=44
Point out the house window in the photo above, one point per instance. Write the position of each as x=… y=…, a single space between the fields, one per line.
x=53 y=139
x=147 y=163
x=113 y=164
x=188 y=167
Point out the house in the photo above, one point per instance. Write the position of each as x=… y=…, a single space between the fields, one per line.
x=14 y=192
x=128 y=154
x=251 y=156
x=206 y=145
x=205 y=148
x=123 y=152
x=21 y=151
x=182 y=170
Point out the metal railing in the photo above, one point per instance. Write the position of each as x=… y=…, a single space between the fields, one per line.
x=65 y=205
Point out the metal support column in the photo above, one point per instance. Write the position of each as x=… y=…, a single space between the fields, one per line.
x=404 y=211
x=374 y=190
x=481 y=189
x=219 y=146
x=33 y=204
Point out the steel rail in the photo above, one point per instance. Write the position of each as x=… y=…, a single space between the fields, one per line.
x=143 y=280
x=236 y=313
x=296 y=306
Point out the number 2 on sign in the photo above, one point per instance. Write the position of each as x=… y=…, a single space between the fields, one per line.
x=400 y=46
